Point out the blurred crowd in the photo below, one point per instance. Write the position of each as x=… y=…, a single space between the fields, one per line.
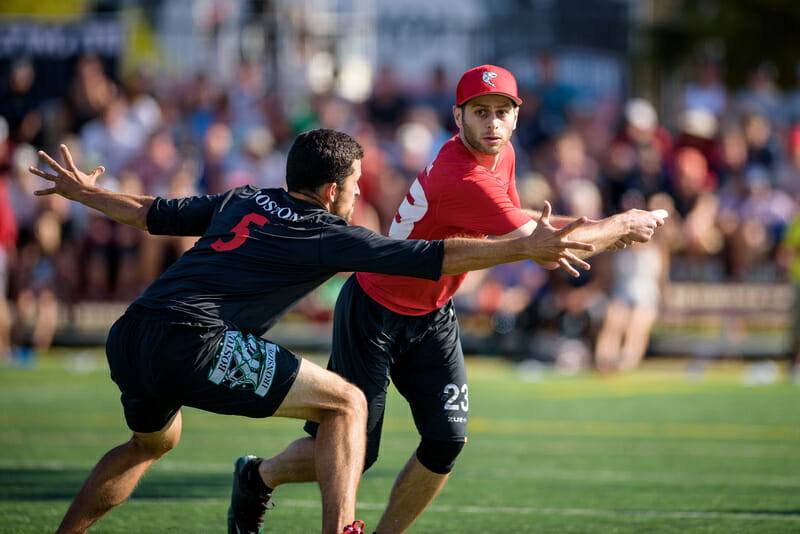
x=726 y=167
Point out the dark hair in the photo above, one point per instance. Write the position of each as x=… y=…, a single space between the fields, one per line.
x=319 y=157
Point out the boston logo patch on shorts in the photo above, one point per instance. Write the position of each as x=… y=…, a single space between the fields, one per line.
x=244 y=363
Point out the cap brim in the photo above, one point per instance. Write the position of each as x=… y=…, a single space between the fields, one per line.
x=514 y=99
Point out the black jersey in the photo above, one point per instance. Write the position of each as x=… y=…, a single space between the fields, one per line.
x=262 y=250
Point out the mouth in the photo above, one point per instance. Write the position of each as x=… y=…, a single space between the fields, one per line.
x=492 y=140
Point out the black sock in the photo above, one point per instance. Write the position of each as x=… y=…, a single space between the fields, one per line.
x=252 y=478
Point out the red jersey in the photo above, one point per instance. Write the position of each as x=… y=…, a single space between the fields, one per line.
x=454 y=196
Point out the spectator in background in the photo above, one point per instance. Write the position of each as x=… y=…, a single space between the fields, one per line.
x=553 y=95
x=8 y=244
x=571 y=165
x=637 y=157
x=761 y=96
x=245 y=97
x=90 y=92
x=791 y=258
x=387 y=105
x=792 y=100
x=765 y=214
x=143 y=107
x=38 y=284
x=638 y=275
x=216 y=151
x=733 y=157
x=698 y=129
x=114 y=137
x=19 y=103
x=199 y=106
x=758 y=135
x=706 y=91
x=156 y=162
x=258 y=162
x=787 y=175
x=382 y=186
x=696 y=209
x=564 y=317
x=438 y=98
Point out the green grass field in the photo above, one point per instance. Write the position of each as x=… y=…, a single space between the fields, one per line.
x=659 y=450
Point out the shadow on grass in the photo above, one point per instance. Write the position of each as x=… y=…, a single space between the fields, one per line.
x=60 y=484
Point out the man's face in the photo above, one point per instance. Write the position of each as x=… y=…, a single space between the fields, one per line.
x=346 y=195
x=487 y=122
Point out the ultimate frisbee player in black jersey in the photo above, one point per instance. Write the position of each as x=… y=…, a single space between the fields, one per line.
x=194 y=337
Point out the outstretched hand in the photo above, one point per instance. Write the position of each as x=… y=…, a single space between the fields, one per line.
x=67 y=182
x=550 y=247
x=641 y=227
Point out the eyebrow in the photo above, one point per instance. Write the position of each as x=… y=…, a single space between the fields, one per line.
x=495 y=106
x=496 y=109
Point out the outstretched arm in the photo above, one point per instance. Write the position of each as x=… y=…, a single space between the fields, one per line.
x=611 y=233
x=545 y=245
x=75 y=185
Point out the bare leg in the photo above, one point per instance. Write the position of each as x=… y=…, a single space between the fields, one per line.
x=115 y=476
x=5 y=326
x=413 y=491
x=609 y=339
x=341 y=410
x=45 y=329
x=637 y=336
x=297 y=463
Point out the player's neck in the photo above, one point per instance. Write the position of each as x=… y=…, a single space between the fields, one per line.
x=313 y=199
x=488 y=161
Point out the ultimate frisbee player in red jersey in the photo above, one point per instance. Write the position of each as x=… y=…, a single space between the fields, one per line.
x=404 y=329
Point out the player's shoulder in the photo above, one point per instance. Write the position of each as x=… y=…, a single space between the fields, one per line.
x=453 y=163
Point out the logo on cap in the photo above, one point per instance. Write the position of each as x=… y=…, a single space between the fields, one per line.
x=488 y=76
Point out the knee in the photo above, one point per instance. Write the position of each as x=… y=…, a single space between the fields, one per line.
x=154 y=447
x=355 y=403
x=437 y=455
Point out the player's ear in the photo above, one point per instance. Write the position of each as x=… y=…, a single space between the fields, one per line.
x=457 y=116
x=329 y=192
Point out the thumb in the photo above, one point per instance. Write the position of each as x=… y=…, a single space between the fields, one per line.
x=546 y=210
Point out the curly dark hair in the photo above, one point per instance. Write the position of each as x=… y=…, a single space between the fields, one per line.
x=319 y=157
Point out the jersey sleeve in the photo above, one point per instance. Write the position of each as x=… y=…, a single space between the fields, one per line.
x=483 y=205
x=354 y=248
x=181 y=216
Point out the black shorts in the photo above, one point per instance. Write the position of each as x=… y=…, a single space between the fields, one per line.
x=161 y=366
x=421 y=354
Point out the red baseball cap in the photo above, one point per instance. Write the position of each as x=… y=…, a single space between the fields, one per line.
x=486 y=80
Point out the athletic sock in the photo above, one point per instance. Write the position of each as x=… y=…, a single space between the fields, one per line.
x=253 y=480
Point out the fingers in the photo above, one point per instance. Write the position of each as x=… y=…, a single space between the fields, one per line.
x=96 y=173
x=44 y=192
x=41 y=173
x=565 y=264
x=572 y=226
x=569 y=268
x=68 y=158
x=577 y=245
x=546 y=210
x=50 y=161
x=572 y=258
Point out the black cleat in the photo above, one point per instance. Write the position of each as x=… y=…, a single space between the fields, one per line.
x=247 y=509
